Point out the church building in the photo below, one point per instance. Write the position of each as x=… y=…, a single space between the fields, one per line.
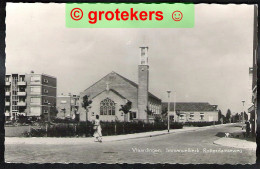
x=114 y=90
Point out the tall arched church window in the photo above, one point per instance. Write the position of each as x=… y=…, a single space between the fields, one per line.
x=107 y=107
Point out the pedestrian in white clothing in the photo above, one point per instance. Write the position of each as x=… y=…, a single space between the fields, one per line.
x=97 y=128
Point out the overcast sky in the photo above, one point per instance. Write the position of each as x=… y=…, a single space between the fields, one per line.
x=207 y=63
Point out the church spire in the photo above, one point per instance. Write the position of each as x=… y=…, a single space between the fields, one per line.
x=143 y=84
x=144 y=56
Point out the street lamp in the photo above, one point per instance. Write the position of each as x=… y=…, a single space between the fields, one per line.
x=174 y=108
x=169 y=92
x=243 y=101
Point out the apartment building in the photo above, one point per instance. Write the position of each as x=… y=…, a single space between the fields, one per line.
x=15 y=95
x=67 y=106
x=253 y=75
x=29 y=94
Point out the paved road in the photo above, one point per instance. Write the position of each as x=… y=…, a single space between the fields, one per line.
x=197 y=144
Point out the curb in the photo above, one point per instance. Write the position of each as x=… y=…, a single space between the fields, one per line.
x=232 y=146
x=150 y=135
x=172 y=132
x=89 y=140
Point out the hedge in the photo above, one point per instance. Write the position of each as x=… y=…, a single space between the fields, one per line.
x=201 y=123
x=108 y=128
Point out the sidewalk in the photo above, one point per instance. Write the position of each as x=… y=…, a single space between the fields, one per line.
x=84 y=140
x=236 y=143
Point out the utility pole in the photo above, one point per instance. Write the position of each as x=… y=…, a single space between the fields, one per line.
x=169 y=92
x=174 y=105
x=243 y=101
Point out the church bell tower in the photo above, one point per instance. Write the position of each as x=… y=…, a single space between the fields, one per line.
x=143 y=84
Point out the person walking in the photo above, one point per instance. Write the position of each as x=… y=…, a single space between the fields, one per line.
x=98 y=130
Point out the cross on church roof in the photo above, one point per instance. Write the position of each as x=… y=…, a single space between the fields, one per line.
x=107 y=87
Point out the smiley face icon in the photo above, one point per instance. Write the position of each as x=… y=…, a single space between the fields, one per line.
x=177 y=15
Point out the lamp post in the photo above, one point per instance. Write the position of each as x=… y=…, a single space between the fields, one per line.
x=243 y=101
x=168 y=114
x=174 y=105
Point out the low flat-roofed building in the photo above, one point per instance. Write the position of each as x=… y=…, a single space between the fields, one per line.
x=192 y=111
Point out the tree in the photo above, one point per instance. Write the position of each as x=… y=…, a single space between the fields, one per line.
x=148 y=111
x=157 y=118
x=85 y=104
x=219 y=115
x=236 y=118
x=245 y=115
x=64 y=112
x=228 y=115
x=53 y=112
x=76 y=115
x=126 y=109
x=223 y=119
x=165 y=111
x=22 y=119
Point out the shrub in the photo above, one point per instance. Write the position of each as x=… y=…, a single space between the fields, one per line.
x=176 y=125
x=57 y=120
x=108 y=128
x=200 y=123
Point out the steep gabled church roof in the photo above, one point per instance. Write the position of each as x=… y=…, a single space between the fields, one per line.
x=127 y=80
x=117 y=93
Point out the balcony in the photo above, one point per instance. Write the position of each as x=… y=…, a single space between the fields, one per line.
x=7 y=103
x=7 y=93
x=21 y=104
x=21 y=83
x=21 y=93
x=7 y=114
x=7 y=83
x=35 y=103
x=23 y=114
x=35 y=82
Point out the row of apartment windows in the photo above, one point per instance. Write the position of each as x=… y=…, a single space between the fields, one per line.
x=37 y=90
x=38 y=79
x=191 y=117
x=72 y=101
x=37 y=100
x=33 y=79
x=8 y=78
x=37 y=110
